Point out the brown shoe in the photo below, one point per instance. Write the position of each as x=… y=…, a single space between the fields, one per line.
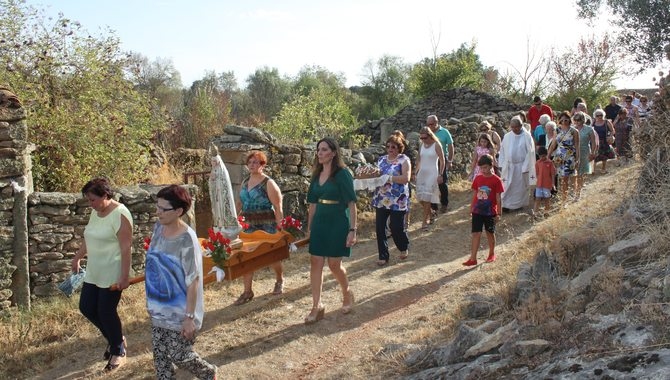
x=279 y=288
x=244 y=298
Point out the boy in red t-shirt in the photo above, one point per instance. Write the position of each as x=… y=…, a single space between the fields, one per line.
x=486 y=208
x=545 y=171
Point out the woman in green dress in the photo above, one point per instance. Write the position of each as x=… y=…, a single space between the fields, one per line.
x=331 y=224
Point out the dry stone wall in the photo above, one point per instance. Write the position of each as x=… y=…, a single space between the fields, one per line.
x=15 y=185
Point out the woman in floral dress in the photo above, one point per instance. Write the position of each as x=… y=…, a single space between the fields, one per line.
x=391 y=200
x=565 y=151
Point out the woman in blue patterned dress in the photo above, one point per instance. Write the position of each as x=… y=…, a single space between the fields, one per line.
x=565 y=151
x=391 y=200
x=261 y=206
x=331 y=224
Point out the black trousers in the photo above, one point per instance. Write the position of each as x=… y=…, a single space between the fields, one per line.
x=444 y=191
x=398 y=232
x=98 y=305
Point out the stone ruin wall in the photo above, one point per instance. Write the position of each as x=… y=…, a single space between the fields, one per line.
x=460 y=110
x=40 y=232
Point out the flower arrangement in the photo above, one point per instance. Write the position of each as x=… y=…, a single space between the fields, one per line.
x=242 y=222
x=146 y=242
x=292 y=226
x=217 y=246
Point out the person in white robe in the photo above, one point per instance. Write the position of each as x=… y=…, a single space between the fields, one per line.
x=517 y=162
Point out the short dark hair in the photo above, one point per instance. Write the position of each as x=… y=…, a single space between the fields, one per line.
x=542 y=151
x=177 y=196
x=486 y=159
x=99 y=186
x=537 y=99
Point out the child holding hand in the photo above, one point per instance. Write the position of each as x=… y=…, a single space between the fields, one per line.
x=486 y=208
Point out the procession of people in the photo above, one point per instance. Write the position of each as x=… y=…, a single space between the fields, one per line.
x=505 y=173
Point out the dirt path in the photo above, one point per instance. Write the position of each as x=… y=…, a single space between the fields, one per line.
x=401 y=303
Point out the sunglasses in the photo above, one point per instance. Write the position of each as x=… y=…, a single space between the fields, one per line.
x=565 y=121
x=391 y=147
x=599 y=115
x=423 y=138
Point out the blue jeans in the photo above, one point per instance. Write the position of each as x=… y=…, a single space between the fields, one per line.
x=398 y=232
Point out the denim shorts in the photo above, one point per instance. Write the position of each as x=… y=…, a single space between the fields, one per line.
x=542 y=192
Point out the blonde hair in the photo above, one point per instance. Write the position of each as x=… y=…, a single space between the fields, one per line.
x=431 y=135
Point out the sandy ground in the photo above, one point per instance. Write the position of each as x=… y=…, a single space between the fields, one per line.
x=403 y=302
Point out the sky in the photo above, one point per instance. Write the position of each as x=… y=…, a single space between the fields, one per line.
x=340 y=35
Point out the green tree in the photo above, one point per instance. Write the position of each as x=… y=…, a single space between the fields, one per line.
x=460 y=68
x=588 y=70
x=85 y=117
x=206 y=111
x=384 y=86
x=268 y=92
x=323 y=112
x=313 y=77
x=644 y=24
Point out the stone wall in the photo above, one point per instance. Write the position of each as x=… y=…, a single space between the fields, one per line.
x=457 y=103
x=15 y=185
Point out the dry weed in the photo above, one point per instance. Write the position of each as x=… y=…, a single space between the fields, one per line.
x=606 y=290
x=575 y=251
x=539 y=308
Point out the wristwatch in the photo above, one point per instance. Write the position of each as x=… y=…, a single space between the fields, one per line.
x=190 y=315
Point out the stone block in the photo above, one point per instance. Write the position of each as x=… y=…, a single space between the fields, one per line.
x=50 y=210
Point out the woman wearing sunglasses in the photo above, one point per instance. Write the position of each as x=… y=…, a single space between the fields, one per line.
x=565 y=151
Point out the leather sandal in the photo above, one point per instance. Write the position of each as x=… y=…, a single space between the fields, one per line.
x=108 y=354
x=113 y=366
x=244 y=298
x=279 y=288
x=315 y=315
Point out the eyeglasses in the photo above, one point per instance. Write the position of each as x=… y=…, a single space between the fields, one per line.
x=565 y=120
x=391 y=147
x=163 y=209
x=423 y=137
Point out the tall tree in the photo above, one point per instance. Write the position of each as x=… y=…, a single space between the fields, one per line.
x=460 y=68
x=323 y=112
x=644 y=24
x=312 y=77
x=86 y=118
x=588 y=70
x=384 y=85
x=268 y=92
x=206 y=111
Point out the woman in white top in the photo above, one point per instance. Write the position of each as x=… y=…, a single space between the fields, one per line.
x=107 y=243
x=429 y=163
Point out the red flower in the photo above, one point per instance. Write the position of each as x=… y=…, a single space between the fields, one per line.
x=241 y=221
x=218 y=246
x=147 y=243
x=292 y=226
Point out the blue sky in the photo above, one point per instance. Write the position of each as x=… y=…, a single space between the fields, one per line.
x=342 y=35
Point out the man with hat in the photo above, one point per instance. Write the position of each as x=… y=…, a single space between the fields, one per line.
x=535 y=111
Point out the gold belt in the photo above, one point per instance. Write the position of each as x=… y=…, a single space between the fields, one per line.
x=328 y=202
